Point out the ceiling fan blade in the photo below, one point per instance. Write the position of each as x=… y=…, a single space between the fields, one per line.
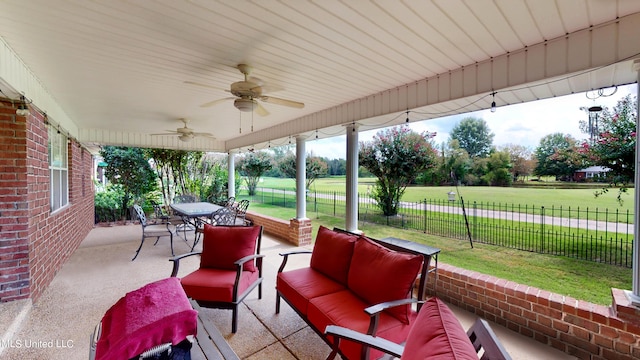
x=284 y=102
x=260 y=110
x=168 y=132
x=215 y=102
x=203 y=85
x=202 y=134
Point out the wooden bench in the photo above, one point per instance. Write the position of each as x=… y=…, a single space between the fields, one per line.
x=209 y=344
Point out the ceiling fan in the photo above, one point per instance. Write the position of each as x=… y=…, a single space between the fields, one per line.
x=185 y=133
x=247 y=92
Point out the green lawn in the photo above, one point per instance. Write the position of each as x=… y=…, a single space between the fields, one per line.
x=545 y=196
x=579 y=279
x=552 y=199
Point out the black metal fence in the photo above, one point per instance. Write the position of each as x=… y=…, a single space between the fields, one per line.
x=598 y=235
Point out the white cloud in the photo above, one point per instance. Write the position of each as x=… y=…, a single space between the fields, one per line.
x=523 y=124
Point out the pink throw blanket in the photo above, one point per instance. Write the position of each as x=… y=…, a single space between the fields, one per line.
x=155 y=314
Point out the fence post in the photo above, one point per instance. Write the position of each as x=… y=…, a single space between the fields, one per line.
x=425 y=215
x=475 y=219
x=334 y=203
x=542 y=230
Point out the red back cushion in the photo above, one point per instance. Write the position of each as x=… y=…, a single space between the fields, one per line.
x=332 y=254
x=378 y=274
x=224 y=245
x=437 y=334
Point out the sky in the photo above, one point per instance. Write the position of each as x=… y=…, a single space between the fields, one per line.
x=523 y=124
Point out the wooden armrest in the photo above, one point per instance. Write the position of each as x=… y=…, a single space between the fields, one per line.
x=483 y=337
x=176 y=261
x=378 y=343
x=375 y=310
x=286 y=254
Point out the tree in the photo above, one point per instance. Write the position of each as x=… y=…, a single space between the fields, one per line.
x=190 y=172
x=473 y=135
x=451 y=167
x=130 y=168
x=456 y=161
x=315 y=167
x=614 y=147
x=559 y=155
x=498 y=166
x=252 y=166
x=336 y=166
x=521 y=158
x=395 y=156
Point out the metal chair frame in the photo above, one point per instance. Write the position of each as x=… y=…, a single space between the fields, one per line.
x=152 y=230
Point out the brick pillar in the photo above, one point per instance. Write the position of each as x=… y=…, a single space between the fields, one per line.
x=300 y=231
x=623 y=308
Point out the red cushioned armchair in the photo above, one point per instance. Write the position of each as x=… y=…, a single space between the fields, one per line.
x=435 y=334
x=230 y=268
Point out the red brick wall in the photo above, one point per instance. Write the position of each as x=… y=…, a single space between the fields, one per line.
x=14 y=212
x=34 y=243
x=579 y=328
x=297 y=232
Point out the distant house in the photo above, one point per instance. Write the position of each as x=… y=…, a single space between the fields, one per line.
x=590 y=173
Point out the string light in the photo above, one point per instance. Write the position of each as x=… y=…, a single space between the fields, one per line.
x=23 y=109
x=493 y=103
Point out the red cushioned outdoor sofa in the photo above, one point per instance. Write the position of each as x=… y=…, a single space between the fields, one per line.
x=355 y=283
x=350 y=282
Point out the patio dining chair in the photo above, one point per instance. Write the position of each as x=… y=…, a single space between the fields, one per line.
x=230 y=268
x=161 y=216
x=152 y=230
x=230 y=202
x=241 y=212
x=222 y=217
x=185 y=198
x=181 y=199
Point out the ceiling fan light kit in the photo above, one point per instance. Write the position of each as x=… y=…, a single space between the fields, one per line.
x=244 y=105
x=185 y=133
x=186 y=137
x=249 y=90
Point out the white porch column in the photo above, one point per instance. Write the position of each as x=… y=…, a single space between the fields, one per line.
x=635 y=296
x=301 y=178
x=351 y=223
x=231 y=166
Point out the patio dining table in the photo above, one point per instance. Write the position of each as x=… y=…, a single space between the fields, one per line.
x=192 y=212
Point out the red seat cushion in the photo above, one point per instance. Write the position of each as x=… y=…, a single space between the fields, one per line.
x=215 y=284
x=344 y=309
x=437 y=334
x=378 y=274
x=224 y=245
x=301 y=285
x=332 y=254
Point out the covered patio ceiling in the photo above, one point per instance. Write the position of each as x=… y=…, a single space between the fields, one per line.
x=115 y=72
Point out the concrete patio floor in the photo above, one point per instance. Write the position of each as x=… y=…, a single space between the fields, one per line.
x=101 y=271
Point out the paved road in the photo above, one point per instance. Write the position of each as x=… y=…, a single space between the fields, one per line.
x=607 y=226
x=539 y=219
